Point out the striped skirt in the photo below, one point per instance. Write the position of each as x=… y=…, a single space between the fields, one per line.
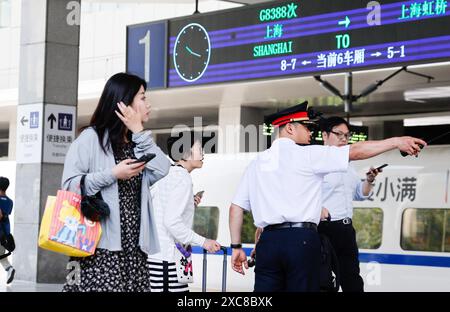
x=163 y=277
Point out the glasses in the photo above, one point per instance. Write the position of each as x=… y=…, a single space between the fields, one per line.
x=342 y=135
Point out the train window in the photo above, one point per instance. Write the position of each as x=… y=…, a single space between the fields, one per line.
x=206 y=221
x=368 y=224
x=426 y=230
x=248 y=229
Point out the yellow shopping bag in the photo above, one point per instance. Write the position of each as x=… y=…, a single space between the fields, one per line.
x=65 y=230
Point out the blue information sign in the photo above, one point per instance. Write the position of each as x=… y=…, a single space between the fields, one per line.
x=65 y=122
x=147 y=53
x=34 y=120
x=305 y=38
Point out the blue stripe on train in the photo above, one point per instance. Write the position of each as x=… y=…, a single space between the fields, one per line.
x=406 y=259
x=432 y=261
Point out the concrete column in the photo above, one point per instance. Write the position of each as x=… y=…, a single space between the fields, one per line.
x=228 y=132
x=252 y=139
x=49 y=53
x=239 y=129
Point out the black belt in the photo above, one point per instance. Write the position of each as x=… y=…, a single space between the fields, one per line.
x=345 y=221
x=287 y=225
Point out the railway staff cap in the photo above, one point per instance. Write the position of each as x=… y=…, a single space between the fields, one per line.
x=298 y=113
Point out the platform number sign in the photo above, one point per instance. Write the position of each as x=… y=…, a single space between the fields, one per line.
x=146 y=42
x=147 y=53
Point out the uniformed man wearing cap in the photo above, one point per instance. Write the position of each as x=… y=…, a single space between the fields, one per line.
x=282 y=189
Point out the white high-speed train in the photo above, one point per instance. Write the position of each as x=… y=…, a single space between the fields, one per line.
x=403 y=230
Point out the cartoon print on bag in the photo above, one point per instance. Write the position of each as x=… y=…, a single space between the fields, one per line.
x=71 y=219
x=86 y=244
x=186 y=266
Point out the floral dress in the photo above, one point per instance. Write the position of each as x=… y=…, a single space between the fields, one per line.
x=119 y=271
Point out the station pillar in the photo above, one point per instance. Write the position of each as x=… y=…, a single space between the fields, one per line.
x=48 y=81
x=240 y=129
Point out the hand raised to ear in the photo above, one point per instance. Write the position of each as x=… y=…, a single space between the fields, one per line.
x=131 y=118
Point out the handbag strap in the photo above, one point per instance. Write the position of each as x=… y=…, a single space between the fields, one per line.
x=6 y=255
x=185 y=252
x=82 y=186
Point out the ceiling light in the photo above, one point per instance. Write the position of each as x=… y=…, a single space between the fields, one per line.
x=427 y=93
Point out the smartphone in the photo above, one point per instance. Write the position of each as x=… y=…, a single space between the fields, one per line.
x=200 y=194
x=144 y=159
x=381 y=167
x=251 y=262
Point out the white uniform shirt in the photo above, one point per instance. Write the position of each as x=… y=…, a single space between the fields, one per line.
x=173 y=204
x=284 y=183
x=338 y=192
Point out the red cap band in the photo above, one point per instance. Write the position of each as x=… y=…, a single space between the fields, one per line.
x=292 y=117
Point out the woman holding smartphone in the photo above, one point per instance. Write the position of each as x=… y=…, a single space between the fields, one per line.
x=104 y=152
x=174 y=203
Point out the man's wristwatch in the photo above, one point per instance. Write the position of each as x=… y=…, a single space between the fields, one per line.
x=236 y=246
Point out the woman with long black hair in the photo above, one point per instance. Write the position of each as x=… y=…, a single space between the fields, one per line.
x=103 y=152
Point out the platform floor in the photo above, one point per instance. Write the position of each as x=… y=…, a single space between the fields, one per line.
x=25 y=286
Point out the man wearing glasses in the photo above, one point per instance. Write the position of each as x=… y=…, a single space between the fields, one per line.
x=339 y=189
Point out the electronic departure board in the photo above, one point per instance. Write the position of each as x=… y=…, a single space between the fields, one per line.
x=309 y=37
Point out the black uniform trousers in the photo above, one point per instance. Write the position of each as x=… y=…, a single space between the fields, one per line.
x=343 y=239
x=288 y=259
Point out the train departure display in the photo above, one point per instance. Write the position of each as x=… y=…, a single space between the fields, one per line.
x=309 y=37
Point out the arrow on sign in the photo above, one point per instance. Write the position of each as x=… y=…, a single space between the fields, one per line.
x=305 y=62
x=23 y=121
x=345 y=22
x=51 y=119
x=377 y=54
